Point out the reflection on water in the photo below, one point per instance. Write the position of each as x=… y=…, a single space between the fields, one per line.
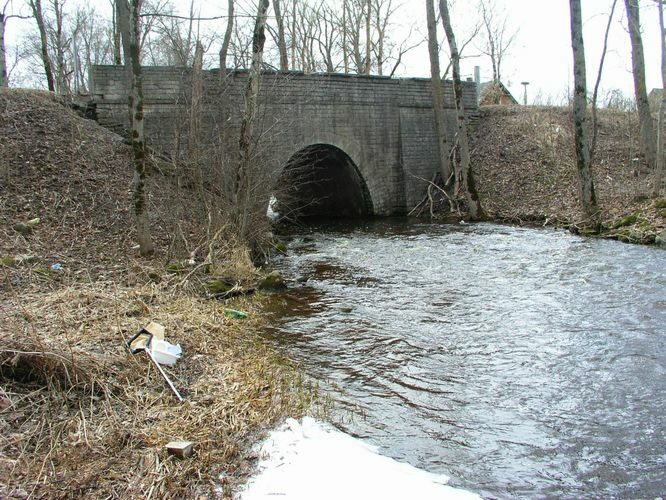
x=521 y=362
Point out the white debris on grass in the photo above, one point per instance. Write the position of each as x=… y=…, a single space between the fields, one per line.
x=309 y=460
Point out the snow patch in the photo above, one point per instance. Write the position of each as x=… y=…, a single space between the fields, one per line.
x=310 y=460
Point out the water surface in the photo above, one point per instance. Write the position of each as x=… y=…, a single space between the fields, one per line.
x=521 y=362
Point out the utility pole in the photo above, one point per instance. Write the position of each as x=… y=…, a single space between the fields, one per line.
x=525 y=84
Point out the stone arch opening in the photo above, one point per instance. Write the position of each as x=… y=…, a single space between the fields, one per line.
x=321 y=180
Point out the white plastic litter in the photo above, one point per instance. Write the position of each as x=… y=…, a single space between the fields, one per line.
x=309 y=460
x=165 y=353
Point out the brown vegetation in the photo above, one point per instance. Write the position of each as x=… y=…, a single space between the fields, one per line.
x=79 y=415
x=84 y=418
x=525 y=161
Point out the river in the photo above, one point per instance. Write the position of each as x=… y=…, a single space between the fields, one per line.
x=522 y=362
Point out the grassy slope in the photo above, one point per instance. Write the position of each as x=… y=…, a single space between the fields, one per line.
x=525 y=164
x=79 y=416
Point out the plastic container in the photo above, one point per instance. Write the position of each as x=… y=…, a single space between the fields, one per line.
x=164 y=352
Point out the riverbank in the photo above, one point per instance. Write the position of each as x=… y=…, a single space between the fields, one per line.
x=79 y=415
x=524 y=161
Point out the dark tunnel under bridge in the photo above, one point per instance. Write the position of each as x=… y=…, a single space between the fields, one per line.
x=321 y=180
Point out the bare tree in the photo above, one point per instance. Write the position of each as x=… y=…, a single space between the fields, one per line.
x=227 y=38
x=466 y=174
x=4 y=81
x=242 y=190
x=38 y=14
x=343 y=29
x=95 y=43
x=326 y=35
x=659 y=171
x=167 y=38
x=437 y=94
x=60 y=42
x=3 y=52
x=129 y=16
x=405 y=46
x=647 y=135
x=354 y=32
x=240 y=46
x=586 y=183
x=4 y=17
x=595 y=93
x=281 y=41
x=115 y=31
x=292 y=32
x=383 y=12
x=368 y=39
x=499 y=37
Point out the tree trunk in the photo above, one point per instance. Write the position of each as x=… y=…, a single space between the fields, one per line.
x=595 y=93
x=437 y=94
x=195 y=105
x=345 y=50
x=123 y=20
x=282 y=42
x=638 y=68
x=469 y=186
x=36 y=6
x=293 y=35
x=368 y=17
x=659 y=171
x=586 y=183
x=488 y=23
x=62 y=75
x=117 y=55
x=242 y=192
x=3 y=55
x=227 y=39
x=196 y=110
x=135 y=104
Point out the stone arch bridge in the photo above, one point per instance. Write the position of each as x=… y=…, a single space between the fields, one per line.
x=371 y=139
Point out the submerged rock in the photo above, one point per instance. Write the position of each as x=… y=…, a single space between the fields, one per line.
x=660 y=239
x=218 y=286
x=273 y=281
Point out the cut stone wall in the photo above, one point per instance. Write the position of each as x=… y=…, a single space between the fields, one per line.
x=385 y=125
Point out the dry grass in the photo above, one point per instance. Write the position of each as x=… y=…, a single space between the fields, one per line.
x=86 y=418
x=525 y=163
x=79 y=415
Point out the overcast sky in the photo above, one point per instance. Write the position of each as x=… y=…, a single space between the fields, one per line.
x=540 y=54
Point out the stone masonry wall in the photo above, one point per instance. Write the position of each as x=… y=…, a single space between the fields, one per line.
x=385 y=125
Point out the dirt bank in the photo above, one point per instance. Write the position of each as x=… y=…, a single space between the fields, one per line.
x=79 y=415
x=525 y=164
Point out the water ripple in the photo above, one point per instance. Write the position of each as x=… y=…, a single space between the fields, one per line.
x=522 y=362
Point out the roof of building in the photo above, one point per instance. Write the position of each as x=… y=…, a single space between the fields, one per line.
x=487 y=87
